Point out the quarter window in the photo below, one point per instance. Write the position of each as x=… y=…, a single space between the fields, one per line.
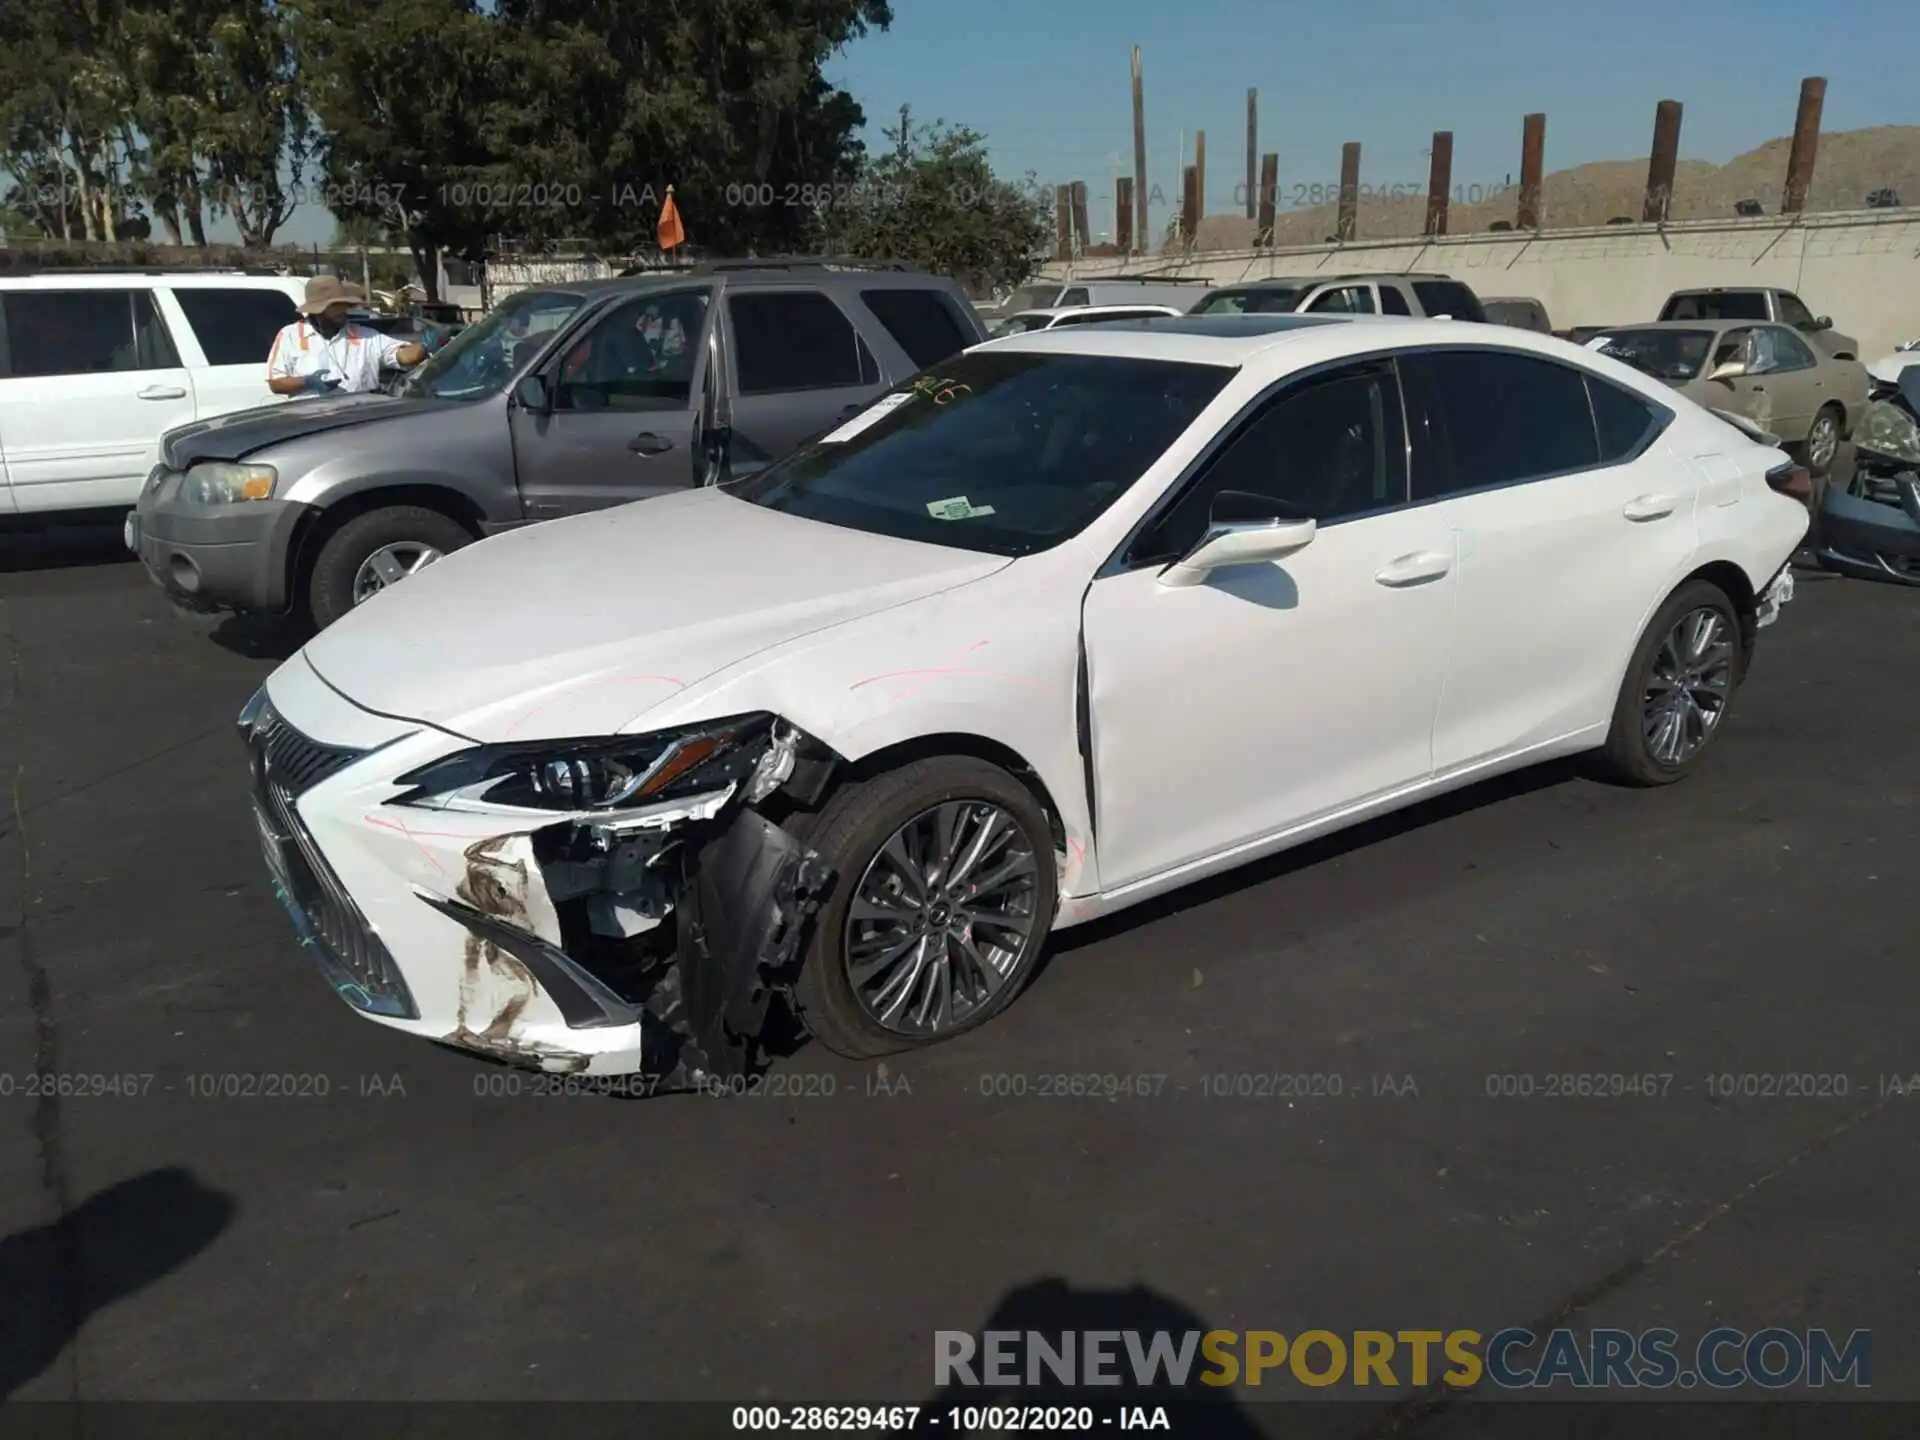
x=1495 y=418
x=1780 y=349
x=794 y=340
x=1328 y=449
x=1449 y=298
x=1625 y=422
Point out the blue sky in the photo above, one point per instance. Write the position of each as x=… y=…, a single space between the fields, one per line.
x=1047 y=82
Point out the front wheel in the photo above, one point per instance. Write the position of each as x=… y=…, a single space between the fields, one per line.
x=944 y=891
x=375 y=551
x=1678 y=688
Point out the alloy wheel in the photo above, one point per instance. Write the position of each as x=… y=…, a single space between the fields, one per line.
x=1823 y=443
x=1687 y=686
x=943 y=917
x=391 y=564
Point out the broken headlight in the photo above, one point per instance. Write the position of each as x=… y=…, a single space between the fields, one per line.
x=1889 y=431
x=570 y=776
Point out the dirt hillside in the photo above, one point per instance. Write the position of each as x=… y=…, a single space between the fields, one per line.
x=1851 y=165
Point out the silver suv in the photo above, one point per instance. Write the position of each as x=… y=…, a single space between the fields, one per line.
x=1429 y=295
x=563 y=399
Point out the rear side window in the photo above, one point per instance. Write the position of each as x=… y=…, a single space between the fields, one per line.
x=1392 y=302
x=1450 y=298
x=793 y=340
x=921 y=323
x=1627 y=423
x=80 y=332
x=236 y=327
x=1499 y=419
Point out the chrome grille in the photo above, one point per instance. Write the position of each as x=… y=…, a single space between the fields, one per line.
x=355 y=961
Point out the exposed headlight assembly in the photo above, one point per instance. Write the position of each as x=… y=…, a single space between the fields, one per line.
x=617 y=772
x=217 y=482
x=1888 y=430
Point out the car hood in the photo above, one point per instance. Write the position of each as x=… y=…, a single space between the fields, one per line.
x=577 y=627
x=240 y=433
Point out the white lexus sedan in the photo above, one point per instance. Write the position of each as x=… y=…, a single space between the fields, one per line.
x=1069 y=621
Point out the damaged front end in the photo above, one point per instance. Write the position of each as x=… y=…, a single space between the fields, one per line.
x=646 y=881
x=1870 y=527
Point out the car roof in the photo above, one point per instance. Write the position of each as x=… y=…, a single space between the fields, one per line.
x=1054 y=311
x=1227 y=339
x=1711 y=322
x=83 y=279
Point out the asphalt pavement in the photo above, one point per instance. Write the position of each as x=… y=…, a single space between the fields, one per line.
x=236 y=1189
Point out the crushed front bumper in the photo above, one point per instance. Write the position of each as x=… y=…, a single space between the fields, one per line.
x=1873 y=534
x=442 y=925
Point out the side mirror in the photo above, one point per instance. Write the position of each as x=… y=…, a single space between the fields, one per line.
x=1241 y=530
x=531 y=395
x=1730 y=370
x=1823 y=322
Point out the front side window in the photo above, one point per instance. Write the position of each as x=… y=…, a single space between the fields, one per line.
x=1449 y=298
x=235 y=326
x=1498 y=418
x=1000 y=452
x=1794 y=313
x=76 y=332
x=1326 y=449
x=1780 y=349
x=640 y=356
x=793 y=340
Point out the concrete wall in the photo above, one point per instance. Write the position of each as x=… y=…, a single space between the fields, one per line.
x=1861 y=268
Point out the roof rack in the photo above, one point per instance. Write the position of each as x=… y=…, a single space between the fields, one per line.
x=1137 y=280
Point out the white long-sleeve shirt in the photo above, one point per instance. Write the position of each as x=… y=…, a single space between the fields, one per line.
x=355 y=353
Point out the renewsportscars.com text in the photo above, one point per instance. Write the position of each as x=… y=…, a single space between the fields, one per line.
x=1654 y=1359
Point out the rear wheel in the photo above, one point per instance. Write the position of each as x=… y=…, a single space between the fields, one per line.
x=943 y=897
x=1678 y=688
x=1823 y=440
x=374 y=552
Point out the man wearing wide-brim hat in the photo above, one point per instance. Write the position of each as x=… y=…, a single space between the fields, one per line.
x=325 y=353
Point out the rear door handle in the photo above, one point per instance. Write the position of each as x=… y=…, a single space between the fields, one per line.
x=1649 y=507
x=1415 y=569
x=648 y=443
x=162 y=392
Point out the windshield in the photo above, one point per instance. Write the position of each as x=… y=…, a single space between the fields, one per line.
x=483 y=357
x=1006 y=453
x=1267 y=301
x=1670 y=355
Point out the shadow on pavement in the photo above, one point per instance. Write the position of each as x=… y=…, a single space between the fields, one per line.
x=1314 y=852
x=53 y=1279
x=1052 y=1307
x=34 y=544
x=261 y=637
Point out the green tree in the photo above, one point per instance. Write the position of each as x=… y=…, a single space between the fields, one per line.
x=932 y=200
x=403 y=92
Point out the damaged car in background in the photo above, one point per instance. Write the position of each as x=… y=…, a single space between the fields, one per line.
x=1870 y=527
x=1066 y=622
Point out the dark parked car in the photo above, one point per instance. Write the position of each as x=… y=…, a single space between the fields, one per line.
x=562 y=399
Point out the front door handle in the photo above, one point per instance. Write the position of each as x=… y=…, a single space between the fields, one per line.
x=1415 y=569
x=1649 y=507
x=648 y=443
x=162 y=392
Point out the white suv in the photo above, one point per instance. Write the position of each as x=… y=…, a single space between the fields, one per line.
x=94 y=367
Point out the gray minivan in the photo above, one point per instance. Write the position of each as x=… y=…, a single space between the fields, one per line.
x=563 y=399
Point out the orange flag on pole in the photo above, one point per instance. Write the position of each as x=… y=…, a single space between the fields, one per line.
x=672 y=233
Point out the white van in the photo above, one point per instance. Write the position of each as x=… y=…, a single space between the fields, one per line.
x=95 y=366
x=1124 y=290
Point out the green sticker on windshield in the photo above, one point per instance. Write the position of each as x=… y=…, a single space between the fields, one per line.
x=957 y=508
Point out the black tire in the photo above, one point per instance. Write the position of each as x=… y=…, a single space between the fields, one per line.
x=849 y=831
x=1627 y=757
x=1829 y=415
x=330 y=581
